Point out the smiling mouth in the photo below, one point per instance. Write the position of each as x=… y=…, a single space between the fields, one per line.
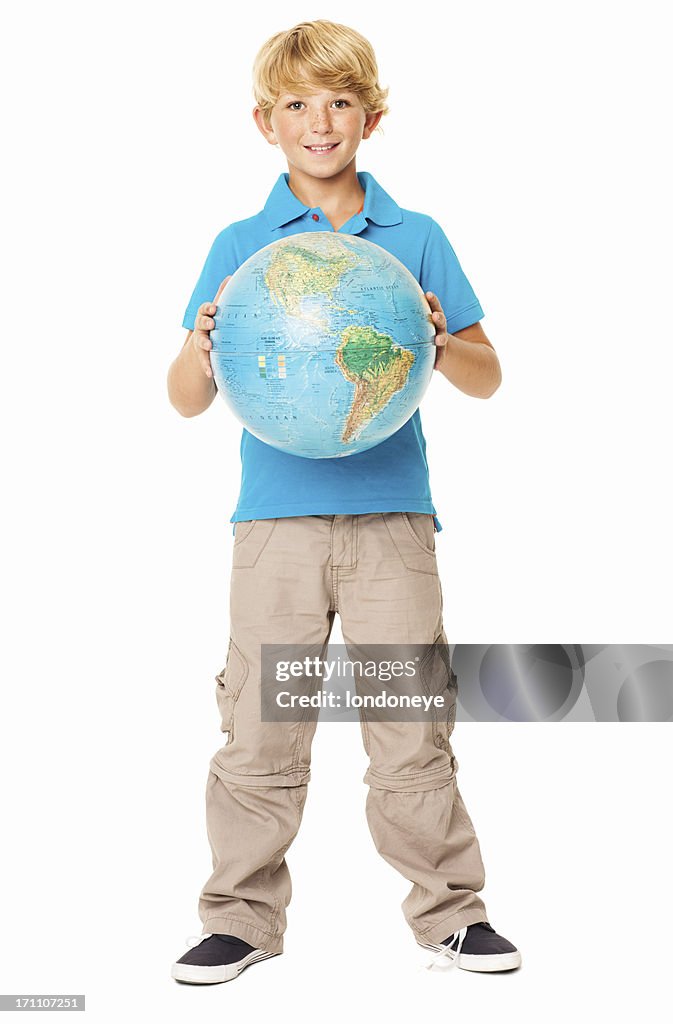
x=322 y=149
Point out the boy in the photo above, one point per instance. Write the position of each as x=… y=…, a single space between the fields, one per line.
x=314 y=537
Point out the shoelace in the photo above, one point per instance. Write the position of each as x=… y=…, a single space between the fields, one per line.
x=194 y=940
x=448 y=953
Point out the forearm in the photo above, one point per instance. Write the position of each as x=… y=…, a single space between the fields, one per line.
x=189 y=390
x=471 y=366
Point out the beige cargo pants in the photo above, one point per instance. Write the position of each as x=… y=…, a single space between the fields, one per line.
x=290 y=576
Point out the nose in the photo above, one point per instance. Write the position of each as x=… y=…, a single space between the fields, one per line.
x=321 y=123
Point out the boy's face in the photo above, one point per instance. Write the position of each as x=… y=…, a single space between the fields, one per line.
x=302 y=124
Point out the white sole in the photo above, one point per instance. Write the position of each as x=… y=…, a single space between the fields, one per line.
x=199 y=975
x=472 y=962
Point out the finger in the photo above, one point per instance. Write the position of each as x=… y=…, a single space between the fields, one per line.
x=440 y=349
x=205 y=364
x=204 y=323
x=222 y=287
x=435 y=306
x=200 y=339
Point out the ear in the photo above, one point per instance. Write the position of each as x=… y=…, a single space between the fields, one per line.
x=371 y=121
x=264 y=128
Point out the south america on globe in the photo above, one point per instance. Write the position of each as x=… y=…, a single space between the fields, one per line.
x=323 y=344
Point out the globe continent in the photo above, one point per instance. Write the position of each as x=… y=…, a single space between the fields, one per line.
x=323 y=344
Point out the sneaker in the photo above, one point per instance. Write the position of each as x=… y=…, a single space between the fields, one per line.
x=476 y=948
x=215 y=958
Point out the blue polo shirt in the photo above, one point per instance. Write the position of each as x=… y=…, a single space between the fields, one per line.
x=393 y=476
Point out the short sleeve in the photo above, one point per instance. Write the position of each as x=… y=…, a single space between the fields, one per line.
x=220 y=262
x=442 y=274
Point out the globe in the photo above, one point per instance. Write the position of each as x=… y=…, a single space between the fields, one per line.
x=323 y=344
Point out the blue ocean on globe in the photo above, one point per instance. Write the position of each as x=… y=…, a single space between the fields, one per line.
x=323 y=344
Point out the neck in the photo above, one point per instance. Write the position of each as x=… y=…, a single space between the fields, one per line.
x=341 y=191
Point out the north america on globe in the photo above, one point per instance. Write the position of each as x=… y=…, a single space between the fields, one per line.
x=323 y=344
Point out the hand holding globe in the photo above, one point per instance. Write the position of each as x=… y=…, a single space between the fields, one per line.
x=203 y=325
x=439 y=321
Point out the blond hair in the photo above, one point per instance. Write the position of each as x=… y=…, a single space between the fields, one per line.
x=317 y=53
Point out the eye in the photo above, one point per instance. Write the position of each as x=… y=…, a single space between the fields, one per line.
x=297 y=103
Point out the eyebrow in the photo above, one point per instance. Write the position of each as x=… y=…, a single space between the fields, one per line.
x=331 y=92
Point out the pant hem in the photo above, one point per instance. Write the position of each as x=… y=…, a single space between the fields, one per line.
x=438 y=932
x=257 y=937
x=284 y=780
x=420 y=783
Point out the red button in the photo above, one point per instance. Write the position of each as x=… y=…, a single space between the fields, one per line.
x=316 y=217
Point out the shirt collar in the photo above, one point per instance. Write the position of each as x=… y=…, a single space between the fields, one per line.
x=282 y=206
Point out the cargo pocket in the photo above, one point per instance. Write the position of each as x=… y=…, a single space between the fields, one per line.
x=230 y=682
x=439 y=679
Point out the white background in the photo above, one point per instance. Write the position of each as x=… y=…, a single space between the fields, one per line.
x=536 y=135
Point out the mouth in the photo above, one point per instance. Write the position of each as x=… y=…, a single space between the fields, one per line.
x=321 y=150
